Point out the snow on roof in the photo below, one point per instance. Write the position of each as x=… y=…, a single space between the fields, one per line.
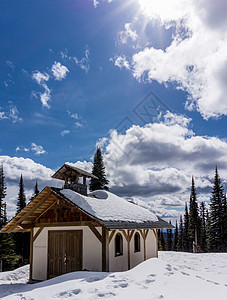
x=109 y=207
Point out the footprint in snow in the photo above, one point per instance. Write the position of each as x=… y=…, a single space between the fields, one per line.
x=69 y=293
x=213 y=282
x=183 y=273
x=106 y=295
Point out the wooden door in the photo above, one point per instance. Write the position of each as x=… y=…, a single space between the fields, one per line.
x=64 y=252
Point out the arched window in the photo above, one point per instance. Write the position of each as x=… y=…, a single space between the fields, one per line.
x=136 y=242
x=118 y=245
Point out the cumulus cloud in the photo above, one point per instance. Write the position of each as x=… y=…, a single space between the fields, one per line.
x=41 y=79
x=159 y=159
x=59 y=71
x=198 y=48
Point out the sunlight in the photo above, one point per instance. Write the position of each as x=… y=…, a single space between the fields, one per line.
x=164 y=10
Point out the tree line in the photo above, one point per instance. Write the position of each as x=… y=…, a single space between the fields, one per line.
x=202 y=228
x=14 y=247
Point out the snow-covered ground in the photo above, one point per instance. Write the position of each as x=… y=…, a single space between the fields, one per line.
x=172 y=276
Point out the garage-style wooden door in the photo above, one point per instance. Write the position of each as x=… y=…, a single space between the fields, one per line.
x=64 y=252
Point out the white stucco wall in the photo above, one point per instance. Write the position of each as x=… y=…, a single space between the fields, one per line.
x=136 y=257
x=151 y=245
x=118 y=263
x=92 y=251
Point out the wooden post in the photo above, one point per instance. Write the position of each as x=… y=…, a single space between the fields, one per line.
x=128 y=240
x=105 y=250
x=84 y=180
x=31 y=253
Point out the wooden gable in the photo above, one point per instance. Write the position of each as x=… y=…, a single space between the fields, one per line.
x=48 y=209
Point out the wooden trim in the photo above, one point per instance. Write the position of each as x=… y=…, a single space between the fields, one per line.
x=95 y=231
x=146 y=233
x=57 y=224
x=128 y=242
x=111 y=235
x=37 y=233
x=30 y=211
x=45 y=211
x=105 y=250
x=31 y=253
x=125 y=235
x=142 y=234
x=131 y=234
x=144 y=246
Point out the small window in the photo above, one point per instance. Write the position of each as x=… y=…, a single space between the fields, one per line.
x=137 y=242
x=118 y=245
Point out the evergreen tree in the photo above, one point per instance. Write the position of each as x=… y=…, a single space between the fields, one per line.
x=217 y=207
x=203 y=240
x=36 y=191
x=175 y=238
x=163 y=243
x=99 y=171
x=21 y=202
x=225 y=223
x=180 y=246
x=2 y=195
x=194 y=221
x=169 y=239
x=22 y=239
x=186 y=230
x=209 y=236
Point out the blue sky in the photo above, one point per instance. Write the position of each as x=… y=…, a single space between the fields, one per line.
x=72 y=71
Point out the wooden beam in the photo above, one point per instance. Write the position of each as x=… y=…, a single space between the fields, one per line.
x=31 y=254
x=37 y=233
x=125 y=234
x=105 y=250
x=128 y=242
x=49 y=207
x=144 y=246
x=30 y=211
x=141 y=231
x=95 y=231
x=57 y=224
x=146 y=233
x=131 y=234
x=111 y=235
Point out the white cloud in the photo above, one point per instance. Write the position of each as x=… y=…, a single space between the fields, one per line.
x=41 y=79
x=83 y=63
x=196 y=58
x=127 y=34
x=121 y=62
x=37 y=149
x=12 y=115
x=59 y=71
x=79 y=125
x=64 y=132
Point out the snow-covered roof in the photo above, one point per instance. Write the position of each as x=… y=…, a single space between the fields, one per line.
x=106 y=206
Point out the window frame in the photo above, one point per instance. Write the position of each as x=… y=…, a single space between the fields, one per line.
x=137 y=244
x=118 y=248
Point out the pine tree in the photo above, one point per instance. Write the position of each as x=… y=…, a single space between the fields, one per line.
x=21 y=202
x=175 y=238
x=217 y=207
x=99 y=171
x=209 y=236
x=225 y=222
x=22 y=239
x=36 y=191
x=180 y=246
x=169 y=239
x=203 y=240
x=186 y=230
x=2 y=195
x=194 y=221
